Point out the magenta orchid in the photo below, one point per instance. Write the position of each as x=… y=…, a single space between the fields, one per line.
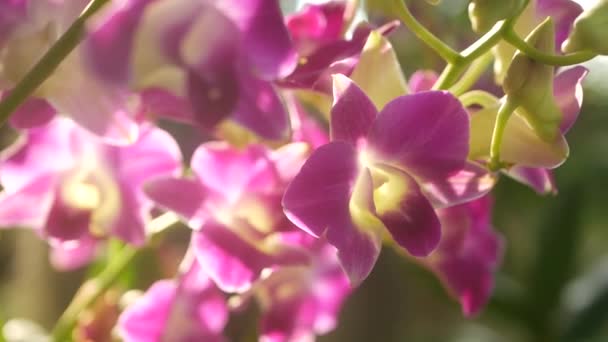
x=299 y=302
x=190 y=308
x=235 y=222
x=271 y=148
x=233 y=75
x=468 y=254
x=371 y=177
x=84 y=190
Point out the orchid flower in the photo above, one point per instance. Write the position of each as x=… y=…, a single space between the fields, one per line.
x=189 y=308
x=299 y=302
x=84 y=190
x=234 y=205
x=468 y=254
x=197 y=61
x=374 y=174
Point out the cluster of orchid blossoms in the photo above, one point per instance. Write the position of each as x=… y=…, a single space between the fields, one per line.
x=321 y=152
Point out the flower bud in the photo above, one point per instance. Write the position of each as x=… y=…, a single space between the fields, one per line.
x=589 y=32
x=485 y=13
x=529 y=84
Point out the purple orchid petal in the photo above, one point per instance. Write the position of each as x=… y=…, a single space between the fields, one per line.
x=184 y=196
x=17 y=207
x=109 y=46
x=406 y=212
x=311 y=308
x=316 y=25
x=232 y=172
x=33 y=112
x=74 y=254
x=12 y=12
x=563 y=12
x=318 y=201
x=468 y=254
x=422 y=80
x=190 y=309
x=160 y=102
x=155 y=153
x=235 y=257
x=352 y=113
x=312 y=72
x=425 y=134
x=265 y=37
x=103 y=109
x=540 y=180
x=44 y=149
x=260 y=109
x=144 y=321
x=472 y=182
x=568 y=93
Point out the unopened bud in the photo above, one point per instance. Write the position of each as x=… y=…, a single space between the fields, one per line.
x=589 y=31
x=485 y=13
x=529 y=84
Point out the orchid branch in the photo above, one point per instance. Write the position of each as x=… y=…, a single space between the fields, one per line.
x=512 y=38
x=504 y=113
x=49 y=62
x=442 y=49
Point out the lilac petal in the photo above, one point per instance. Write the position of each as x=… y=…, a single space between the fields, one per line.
x=352 y=113
x=154 y=154
x=563 y=12
x=74 y=254
x=318 y=201
x=422 y=80
x=260 y=109
x=32 y=113
x=44 y=149
x=265 y=37
x=425 y=134
x=232 y=172
x=212 y=100
x=540 y=180
x=463 y=186
x=29 y=205
x=108 y=46
x=144 y=321
x=568 y=93
x=234 y=257
x=12 y=12
x=184 y=196
x=103 y=109
x=406 y=212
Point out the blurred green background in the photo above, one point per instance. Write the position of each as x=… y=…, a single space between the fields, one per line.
x=552 y=286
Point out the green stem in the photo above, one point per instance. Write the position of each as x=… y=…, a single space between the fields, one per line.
x=478 y=97
x=478 y=67
x=442 y=49
x=474 y=51
x=49 y=62
x=558 y=60
x=504 y=113
x=94 y=288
